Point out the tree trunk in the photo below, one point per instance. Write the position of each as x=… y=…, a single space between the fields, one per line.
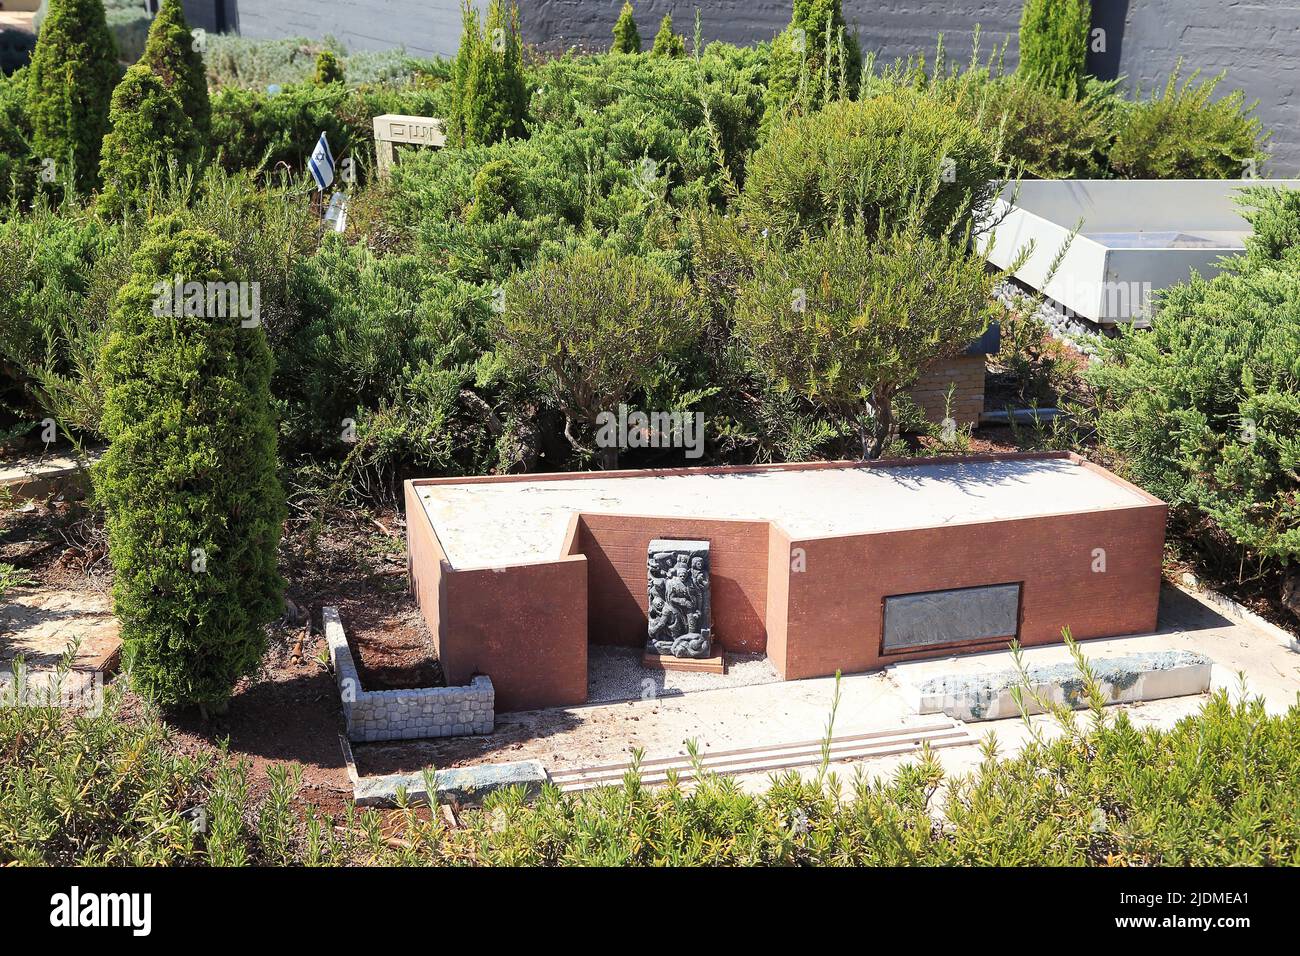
x=882 y=409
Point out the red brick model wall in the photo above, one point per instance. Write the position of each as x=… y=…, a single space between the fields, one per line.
x=836 y=605
x=533 y=645
x=525 y=626
x=815 y=606
x=615 y=547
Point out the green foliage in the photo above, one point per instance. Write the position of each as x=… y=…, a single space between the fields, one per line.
x=12 y=577
x=149 y=136
x=874 y=162
x=110 y=788
x=489 y=92
x=667 y=43
x=593 y=327
x=626 y=37
x=1054 y=44
x=257 y=130
x=1205 y=407
x=53 y=297
x=18 y=167
x=1274 y=240
x=483 y=212
x=72 y=75
x=328 y=69
x=1221 y=787
x=233 y=60
x=390 y=344
x=170 y=52
x=1048 y=135
x=849 y=319
x=695 y=119
x=1183 y=133
x=815 y=60
x=193 y=506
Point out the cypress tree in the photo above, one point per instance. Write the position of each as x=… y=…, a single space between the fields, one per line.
x=488 y=88
x=1054 y=43
x=73 y=71
x=668 y=43
x=328 y=69
x=194 y=509
x=626 y=37
x=149 y=131
x=813 y=59
x=170 y=52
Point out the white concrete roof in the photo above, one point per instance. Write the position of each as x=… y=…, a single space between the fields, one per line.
x=491 y=523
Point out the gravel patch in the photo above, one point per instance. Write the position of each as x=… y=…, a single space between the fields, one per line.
x=615 y=673
x=1073 y=330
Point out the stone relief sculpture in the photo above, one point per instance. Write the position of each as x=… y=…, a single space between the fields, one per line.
x=680 y=605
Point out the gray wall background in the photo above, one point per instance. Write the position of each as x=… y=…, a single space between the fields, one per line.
x=1256 y=41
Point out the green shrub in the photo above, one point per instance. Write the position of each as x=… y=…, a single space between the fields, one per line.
x=1274 y=239
x=18 y=167
x=1221 y=787
x=848 y=320
x=694 y=119
x=55 y=290
x=392 y=345
x=592 y=328
x=1054 y=44
x=188 y=483
x=149 y=136
x=871 y=162
x=488 y=88
x=1205 y=409
x=328 y=69
x=72 y=75
x=626 y=37
x=233 y=60
x=668 y=43
x=1186 y=134
x=113 y=788
x=1050 y=136
x=481 y=213
x=815 y=60
x=170 y=52
x=257 y=130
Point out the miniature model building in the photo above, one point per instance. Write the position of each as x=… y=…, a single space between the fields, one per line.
x=822 y=566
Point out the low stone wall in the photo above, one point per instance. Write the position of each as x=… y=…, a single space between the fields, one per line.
x=965 y=374
x=405 y=714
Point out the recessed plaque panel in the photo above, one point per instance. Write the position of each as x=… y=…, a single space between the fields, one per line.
x=935 y=618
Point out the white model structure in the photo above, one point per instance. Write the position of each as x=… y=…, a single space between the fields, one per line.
x=1136 y=237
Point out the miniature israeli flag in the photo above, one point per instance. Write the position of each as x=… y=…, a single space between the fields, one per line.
x=321 y=163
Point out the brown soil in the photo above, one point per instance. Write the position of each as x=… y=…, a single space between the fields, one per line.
x=289 y=712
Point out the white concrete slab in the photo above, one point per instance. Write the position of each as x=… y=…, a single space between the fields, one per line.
x=978 y=687
x=499 y=522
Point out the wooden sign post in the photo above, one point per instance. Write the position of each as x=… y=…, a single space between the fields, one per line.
x=392 y=128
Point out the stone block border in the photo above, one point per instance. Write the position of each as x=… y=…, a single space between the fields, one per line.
x=405 y=714
x=1192 y=587
x=1128 y=679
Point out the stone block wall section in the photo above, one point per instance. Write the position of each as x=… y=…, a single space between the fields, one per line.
x=965 y=373
x=373 y=715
